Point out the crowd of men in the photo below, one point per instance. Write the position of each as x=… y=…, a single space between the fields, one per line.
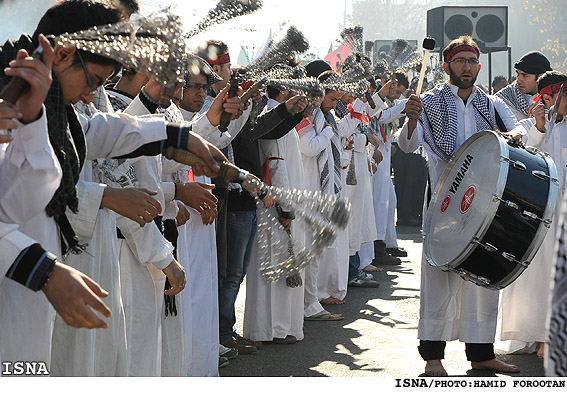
x=88 y=201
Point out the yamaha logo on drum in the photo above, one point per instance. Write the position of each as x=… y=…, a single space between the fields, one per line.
x=461 y=174
x=468 y=198
x=445 y=204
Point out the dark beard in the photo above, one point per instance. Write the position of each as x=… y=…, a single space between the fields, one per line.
x=455 y=80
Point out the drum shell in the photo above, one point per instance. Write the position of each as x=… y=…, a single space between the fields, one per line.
x=512 y=236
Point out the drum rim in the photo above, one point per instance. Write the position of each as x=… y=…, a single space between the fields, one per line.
x=491 y=211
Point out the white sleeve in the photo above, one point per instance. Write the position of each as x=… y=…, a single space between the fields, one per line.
x=311 y=143
x=507 y=115
x=29 y=173
x=410 y=145
x=533 y=136
x=393 y=113
x=203 y=127
x=146 y=243
x=90 y=196
x=380 y=105
x=12 y=243
x=117 y=134
x=347 y=125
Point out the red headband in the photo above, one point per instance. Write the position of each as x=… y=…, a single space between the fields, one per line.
x=549 y=90
x=460 y=48
x=221 y=59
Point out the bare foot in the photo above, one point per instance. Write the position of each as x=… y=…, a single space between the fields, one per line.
x=495 y=365
x=332 y=300
x=372 y=269
x=541 y=350
x=434 y=368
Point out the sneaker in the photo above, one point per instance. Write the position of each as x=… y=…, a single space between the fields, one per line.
x=223 y=362
x=242 y=348
x=365 y=276
x=245 y=341
x=357 y=282
x=229 y=353
x=397 y=252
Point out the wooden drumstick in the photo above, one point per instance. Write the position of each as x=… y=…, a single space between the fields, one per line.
x=227 y=170
x=252 y=90
x=225 y=116
x=428 y=45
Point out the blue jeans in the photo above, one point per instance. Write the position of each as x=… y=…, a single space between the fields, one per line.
x=353 y=266
x=241 y=235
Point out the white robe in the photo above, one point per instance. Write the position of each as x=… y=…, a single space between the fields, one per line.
x=274 y=310
x=384 y=195
x=197 y=252
x=451 y=308
x=29 y=175
x=93 y=352
x=524 y=304
x=27 y=319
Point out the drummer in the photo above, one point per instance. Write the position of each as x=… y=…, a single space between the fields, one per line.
x=441 y=121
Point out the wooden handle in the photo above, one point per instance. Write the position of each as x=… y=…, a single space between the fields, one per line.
x=252 y=90
x=422 y=73
x=225 y=116
x=17 y=86
x=227 y=170
x=370 y=100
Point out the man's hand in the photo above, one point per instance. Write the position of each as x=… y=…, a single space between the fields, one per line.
x=71 y=293
x=38 y=74
x=183 y=215
x=538 y=112
x=268 y=201
x=197 y=196
x=373 y=139
x=231 y=105
x=134 y=203
x=296 y=104
x=208 y=152
x=8 y=112
x=387 y=88
x=378 y=157
x=253 y=190
x=286 y=223
x=176 y=276
x=413 y=110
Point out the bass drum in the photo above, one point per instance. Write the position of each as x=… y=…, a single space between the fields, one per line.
x=490 y=210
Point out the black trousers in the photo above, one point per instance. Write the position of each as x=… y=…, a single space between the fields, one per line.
x=435 y=350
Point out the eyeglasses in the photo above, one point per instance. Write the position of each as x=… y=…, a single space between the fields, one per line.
x=89 y=80
x=461 y=61
x=196 y=86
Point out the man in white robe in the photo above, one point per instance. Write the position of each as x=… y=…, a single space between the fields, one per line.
x=451 y=308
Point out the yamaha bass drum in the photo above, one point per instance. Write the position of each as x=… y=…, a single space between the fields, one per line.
x=490 y=210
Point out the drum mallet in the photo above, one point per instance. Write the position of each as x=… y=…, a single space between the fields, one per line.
x=428 y=45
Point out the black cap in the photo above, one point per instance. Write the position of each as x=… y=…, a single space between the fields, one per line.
x=533 y=63
x=317 y=67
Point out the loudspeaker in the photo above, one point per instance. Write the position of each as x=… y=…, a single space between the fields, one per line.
x=488 y=26
x=385 y=45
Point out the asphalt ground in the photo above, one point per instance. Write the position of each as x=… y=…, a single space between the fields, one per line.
x=377 y=338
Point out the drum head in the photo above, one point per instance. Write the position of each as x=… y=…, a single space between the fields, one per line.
x=462 y=206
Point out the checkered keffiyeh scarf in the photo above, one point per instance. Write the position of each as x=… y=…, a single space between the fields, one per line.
x=556 y=362
x=335 y=149
x=514 y=98
x=439 y=118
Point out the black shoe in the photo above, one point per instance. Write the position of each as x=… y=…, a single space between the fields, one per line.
x=242 y=348
x=287 y=340
x=397 y=252
x=223 y=362
x=386 y=260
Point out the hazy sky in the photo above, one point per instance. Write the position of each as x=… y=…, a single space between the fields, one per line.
x=320 y=21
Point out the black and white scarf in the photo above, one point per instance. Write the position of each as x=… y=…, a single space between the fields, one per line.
x=335 y=149
x=439 y=118
x=556 y=361
x=67 y=139
x=513 y=97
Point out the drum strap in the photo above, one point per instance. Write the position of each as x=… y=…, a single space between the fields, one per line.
x=499 y=123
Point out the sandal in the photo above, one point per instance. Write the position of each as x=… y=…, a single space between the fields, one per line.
x=324 y=316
